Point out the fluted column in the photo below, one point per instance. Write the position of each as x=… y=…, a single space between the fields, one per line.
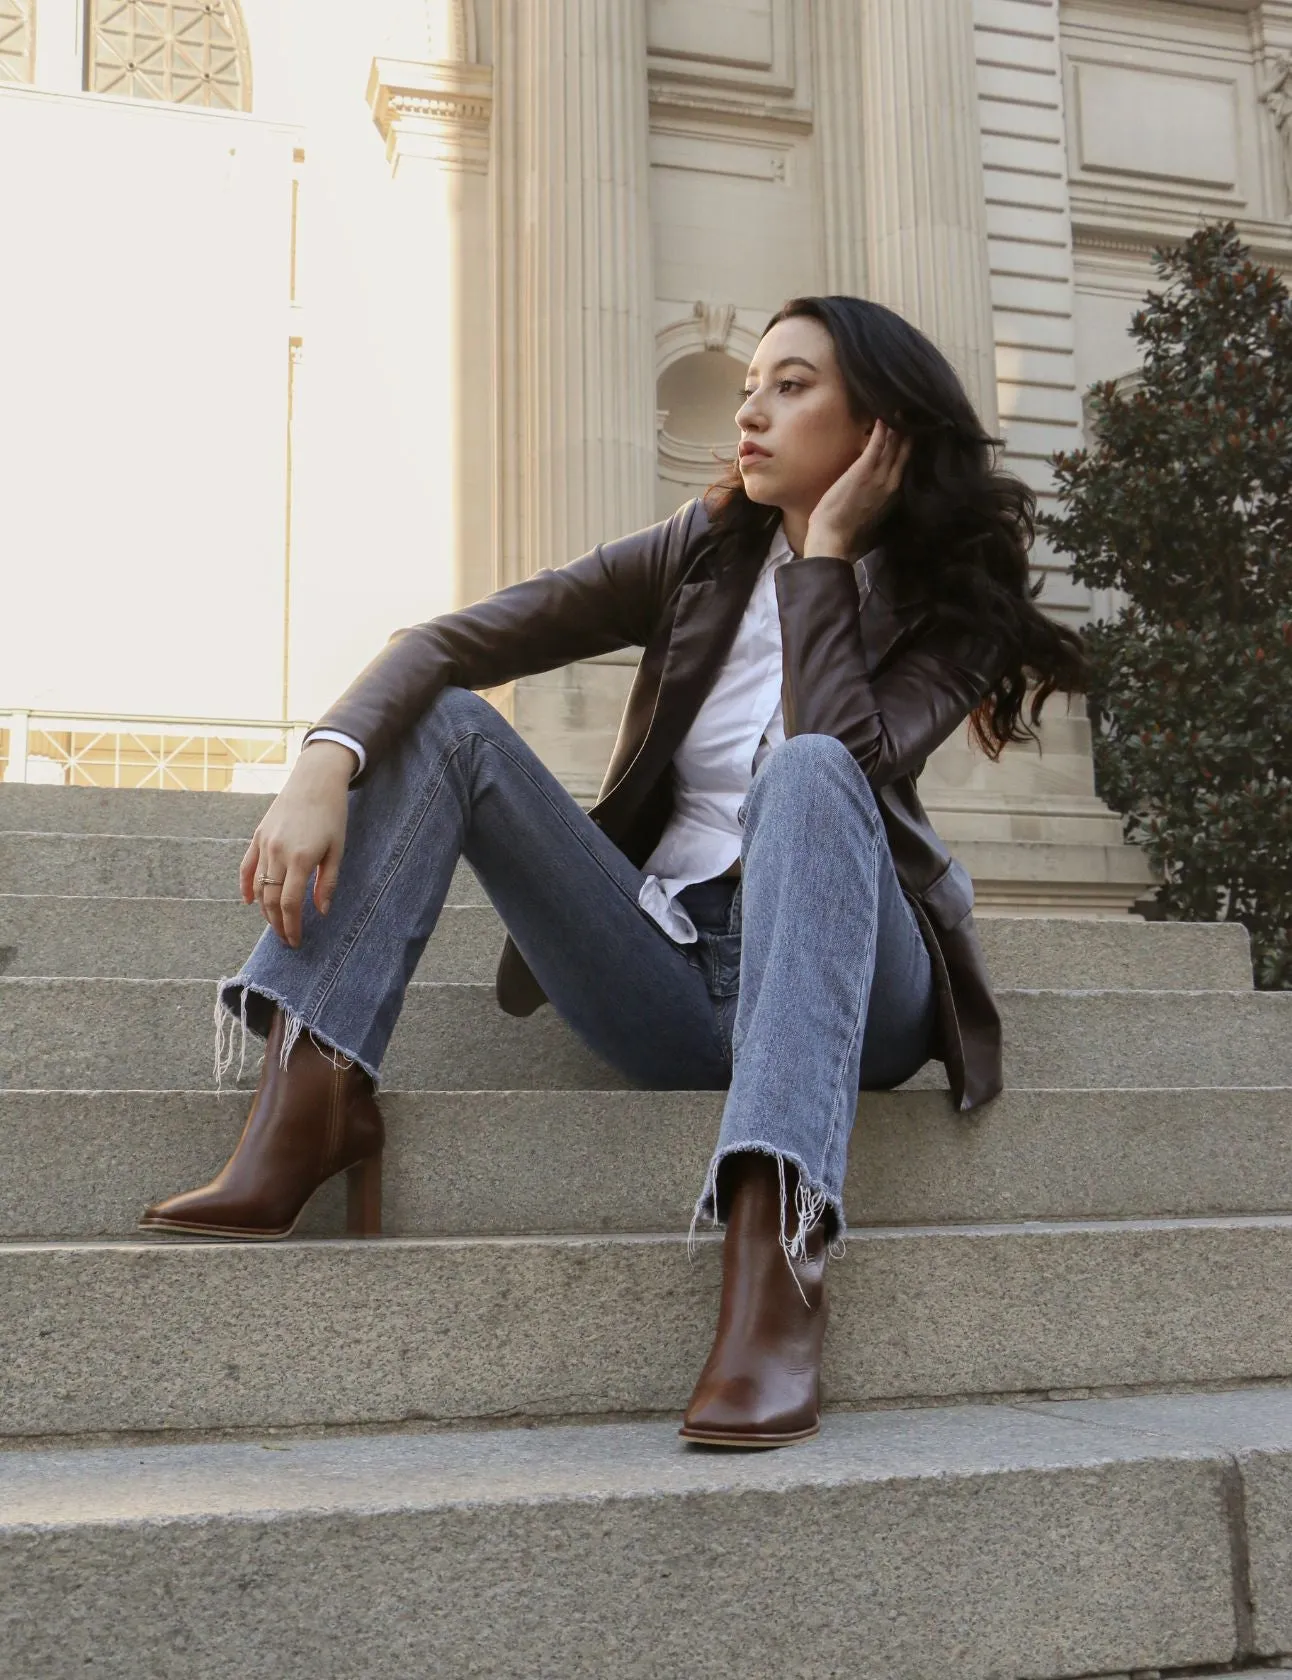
x=837 y=68
x=575 y=371
x=1272 y=31
x=434 y=116
x=926 y=212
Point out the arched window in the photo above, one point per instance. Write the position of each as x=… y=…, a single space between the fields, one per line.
x=17 y=40
x=192 y=52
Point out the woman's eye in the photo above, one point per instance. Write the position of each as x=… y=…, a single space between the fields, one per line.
x=783 y=384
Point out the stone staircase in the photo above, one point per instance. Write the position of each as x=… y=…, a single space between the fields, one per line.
x=1059 y=1368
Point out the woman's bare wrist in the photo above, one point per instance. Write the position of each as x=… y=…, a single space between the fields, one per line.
x=329 y=759
x=823 y=541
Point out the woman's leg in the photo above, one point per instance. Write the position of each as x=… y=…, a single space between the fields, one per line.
x=463 y=783
x=835 y=987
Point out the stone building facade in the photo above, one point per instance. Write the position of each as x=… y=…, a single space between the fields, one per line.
x=333 y=318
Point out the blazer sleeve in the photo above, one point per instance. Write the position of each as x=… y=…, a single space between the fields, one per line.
x=609 y=598
x=889 y=723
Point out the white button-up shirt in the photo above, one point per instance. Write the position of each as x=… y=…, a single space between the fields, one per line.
x=738 y=724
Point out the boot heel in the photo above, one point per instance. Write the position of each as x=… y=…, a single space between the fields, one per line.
x=363 y=1198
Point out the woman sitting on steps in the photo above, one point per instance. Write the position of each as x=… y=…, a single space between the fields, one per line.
x=757 y=902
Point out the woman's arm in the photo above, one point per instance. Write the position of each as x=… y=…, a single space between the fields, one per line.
x=607 y=599
x=890 y=725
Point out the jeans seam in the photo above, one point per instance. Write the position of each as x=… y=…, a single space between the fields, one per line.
x=859 y=1022
x=398 y=856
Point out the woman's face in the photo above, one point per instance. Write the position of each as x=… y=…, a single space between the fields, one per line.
x=796 y=412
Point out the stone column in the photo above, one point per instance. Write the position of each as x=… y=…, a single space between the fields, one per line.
x=573 y=284
x=1272 y=33
x=575 y=365
x=434 y=116
x=837 y=54
x=926 y=211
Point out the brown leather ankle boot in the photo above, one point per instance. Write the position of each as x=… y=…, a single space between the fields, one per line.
x=760 y=1386
x=307 y=1122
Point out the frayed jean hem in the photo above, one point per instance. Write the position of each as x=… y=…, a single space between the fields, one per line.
x=231 y=1020
x=811 y=1202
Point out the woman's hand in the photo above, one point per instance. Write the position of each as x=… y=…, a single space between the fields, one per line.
x=857 y=500
x=303 y=830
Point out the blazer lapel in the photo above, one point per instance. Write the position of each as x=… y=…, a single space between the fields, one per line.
x=707 y=615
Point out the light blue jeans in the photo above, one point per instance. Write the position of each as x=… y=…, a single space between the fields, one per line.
x=810 y=979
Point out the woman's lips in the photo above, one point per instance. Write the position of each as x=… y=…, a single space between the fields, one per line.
x=751 y=452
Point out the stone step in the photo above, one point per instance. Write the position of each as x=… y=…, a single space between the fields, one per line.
x=188 y=1335
x=1043 y=860
x=187 y=866
x=200 y=938
x=143 y=867
x=152 y=938
x=478 y=1163
x=964 y=1528
x=959 y=1532
x=143 y=811
x=87 y=1034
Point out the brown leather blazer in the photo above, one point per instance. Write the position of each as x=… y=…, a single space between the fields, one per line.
x=864 y=664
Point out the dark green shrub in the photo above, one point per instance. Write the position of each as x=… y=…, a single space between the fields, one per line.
x=1184 y=503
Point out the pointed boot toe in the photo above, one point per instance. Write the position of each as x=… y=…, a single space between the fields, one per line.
x=736 y=1412
x=308 y=1121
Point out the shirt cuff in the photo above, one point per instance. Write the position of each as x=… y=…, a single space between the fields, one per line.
x=345 y=740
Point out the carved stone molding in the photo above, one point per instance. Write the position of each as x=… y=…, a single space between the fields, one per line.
x=716 y=319
x=438 y=110
x=709 y=326
x=697 y=65
x=1095 y=230
x=683 y=460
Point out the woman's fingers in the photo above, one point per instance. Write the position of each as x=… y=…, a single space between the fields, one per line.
x=270 y=905
x=291 y=900
x=269 y=882
x=325 y=880
x=247 y=870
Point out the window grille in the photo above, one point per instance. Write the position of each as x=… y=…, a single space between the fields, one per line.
x=193 y=52
x=17 y=40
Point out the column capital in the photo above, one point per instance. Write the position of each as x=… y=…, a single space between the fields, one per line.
x=436 y=109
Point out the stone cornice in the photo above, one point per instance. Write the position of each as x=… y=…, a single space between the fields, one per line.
x=1095 y=228
x=753 y=110
x=435 y=109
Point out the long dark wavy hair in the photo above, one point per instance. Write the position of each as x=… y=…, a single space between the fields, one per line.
x=963 y=527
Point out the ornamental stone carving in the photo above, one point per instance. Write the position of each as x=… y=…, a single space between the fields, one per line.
x=439 y=110
x=717 y=319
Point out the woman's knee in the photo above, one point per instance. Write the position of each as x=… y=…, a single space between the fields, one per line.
x=810 y=764
x=460 y=710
